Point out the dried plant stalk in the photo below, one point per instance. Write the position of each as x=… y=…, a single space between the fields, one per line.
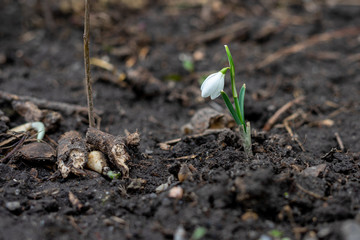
x=87 y=65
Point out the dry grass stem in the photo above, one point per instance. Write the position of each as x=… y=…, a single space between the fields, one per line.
x=87 y=65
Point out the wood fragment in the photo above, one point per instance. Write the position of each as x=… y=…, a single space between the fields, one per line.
x=268 y=125
x=102 y=64
x=339 y=141
x=133 y=139
x=66 y=108
x=298 y=47
x=293 y=136
x=176 y=140
x=249 y=216
x=118 y=220
x=28 y=110
x=185 y=173
x=322 y=123
x=46 y=192
x=137 y=184
x=181 y=158
x=32 y=113
x=75 y=202
x=329 y=154
x=288 y=211
x=337 y=112
x=241 y=26
x=312 y=194
x=74 y=224
x=18 y=145
x=36 y=152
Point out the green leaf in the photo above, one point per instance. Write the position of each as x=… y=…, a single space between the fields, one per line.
x=241 y=101
x=230 y=107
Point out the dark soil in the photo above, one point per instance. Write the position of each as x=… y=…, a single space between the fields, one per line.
x=304 y=186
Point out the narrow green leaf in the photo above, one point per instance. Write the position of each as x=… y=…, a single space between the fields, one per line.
x=232 y=72
x=230 y=107
x=241 y=100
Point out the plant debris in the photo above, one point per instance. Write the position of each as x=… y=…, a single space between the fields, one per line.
x=71 y=154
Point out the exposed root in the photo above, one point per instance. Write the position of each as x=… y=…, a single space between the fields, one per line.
x=71 y=154
x=115 y=147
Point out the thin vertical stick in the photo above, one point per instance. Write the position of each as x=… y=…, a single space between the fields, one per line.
x=87 y=65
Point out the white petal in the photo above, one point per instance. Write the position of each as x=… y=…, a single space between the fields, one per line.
x=207 y=80
x=211 y=84
x=219 y=88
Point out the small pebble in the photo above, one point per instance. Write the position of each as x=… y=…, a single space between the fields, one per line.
x=13 y=206
x=180 y=233
x=265 y=237
x=176 y=192
x=324 y=232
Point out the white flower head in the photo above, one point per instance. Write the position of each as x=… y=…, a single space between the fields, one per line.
x=213 y=84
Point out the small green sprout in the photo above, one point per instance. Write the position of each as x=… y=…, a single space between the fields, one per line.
x=213 y=86
x=275 y=233
x=198 y=233
x=38 y=126
x=113 y=175
x=286 y=195
x=187 y=62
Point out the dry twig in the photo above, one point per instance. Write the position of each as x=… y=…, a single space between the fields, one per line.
x=75 y=202
x=340 y=142
x=298 y=47
x=278 y=113
x=74 y=224
x=312 y=194
x=167 y=144
x=19 y=144
x=288 y=129
x=65 y=108
x=87 y=65
x=220 y=32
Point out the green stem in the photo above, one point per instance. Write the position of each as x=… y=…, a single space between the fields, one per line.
x=232 y=72
x=245 y=137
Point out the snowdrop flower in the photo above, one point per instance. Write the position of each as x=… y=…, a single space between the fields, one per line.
x=213 y=84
